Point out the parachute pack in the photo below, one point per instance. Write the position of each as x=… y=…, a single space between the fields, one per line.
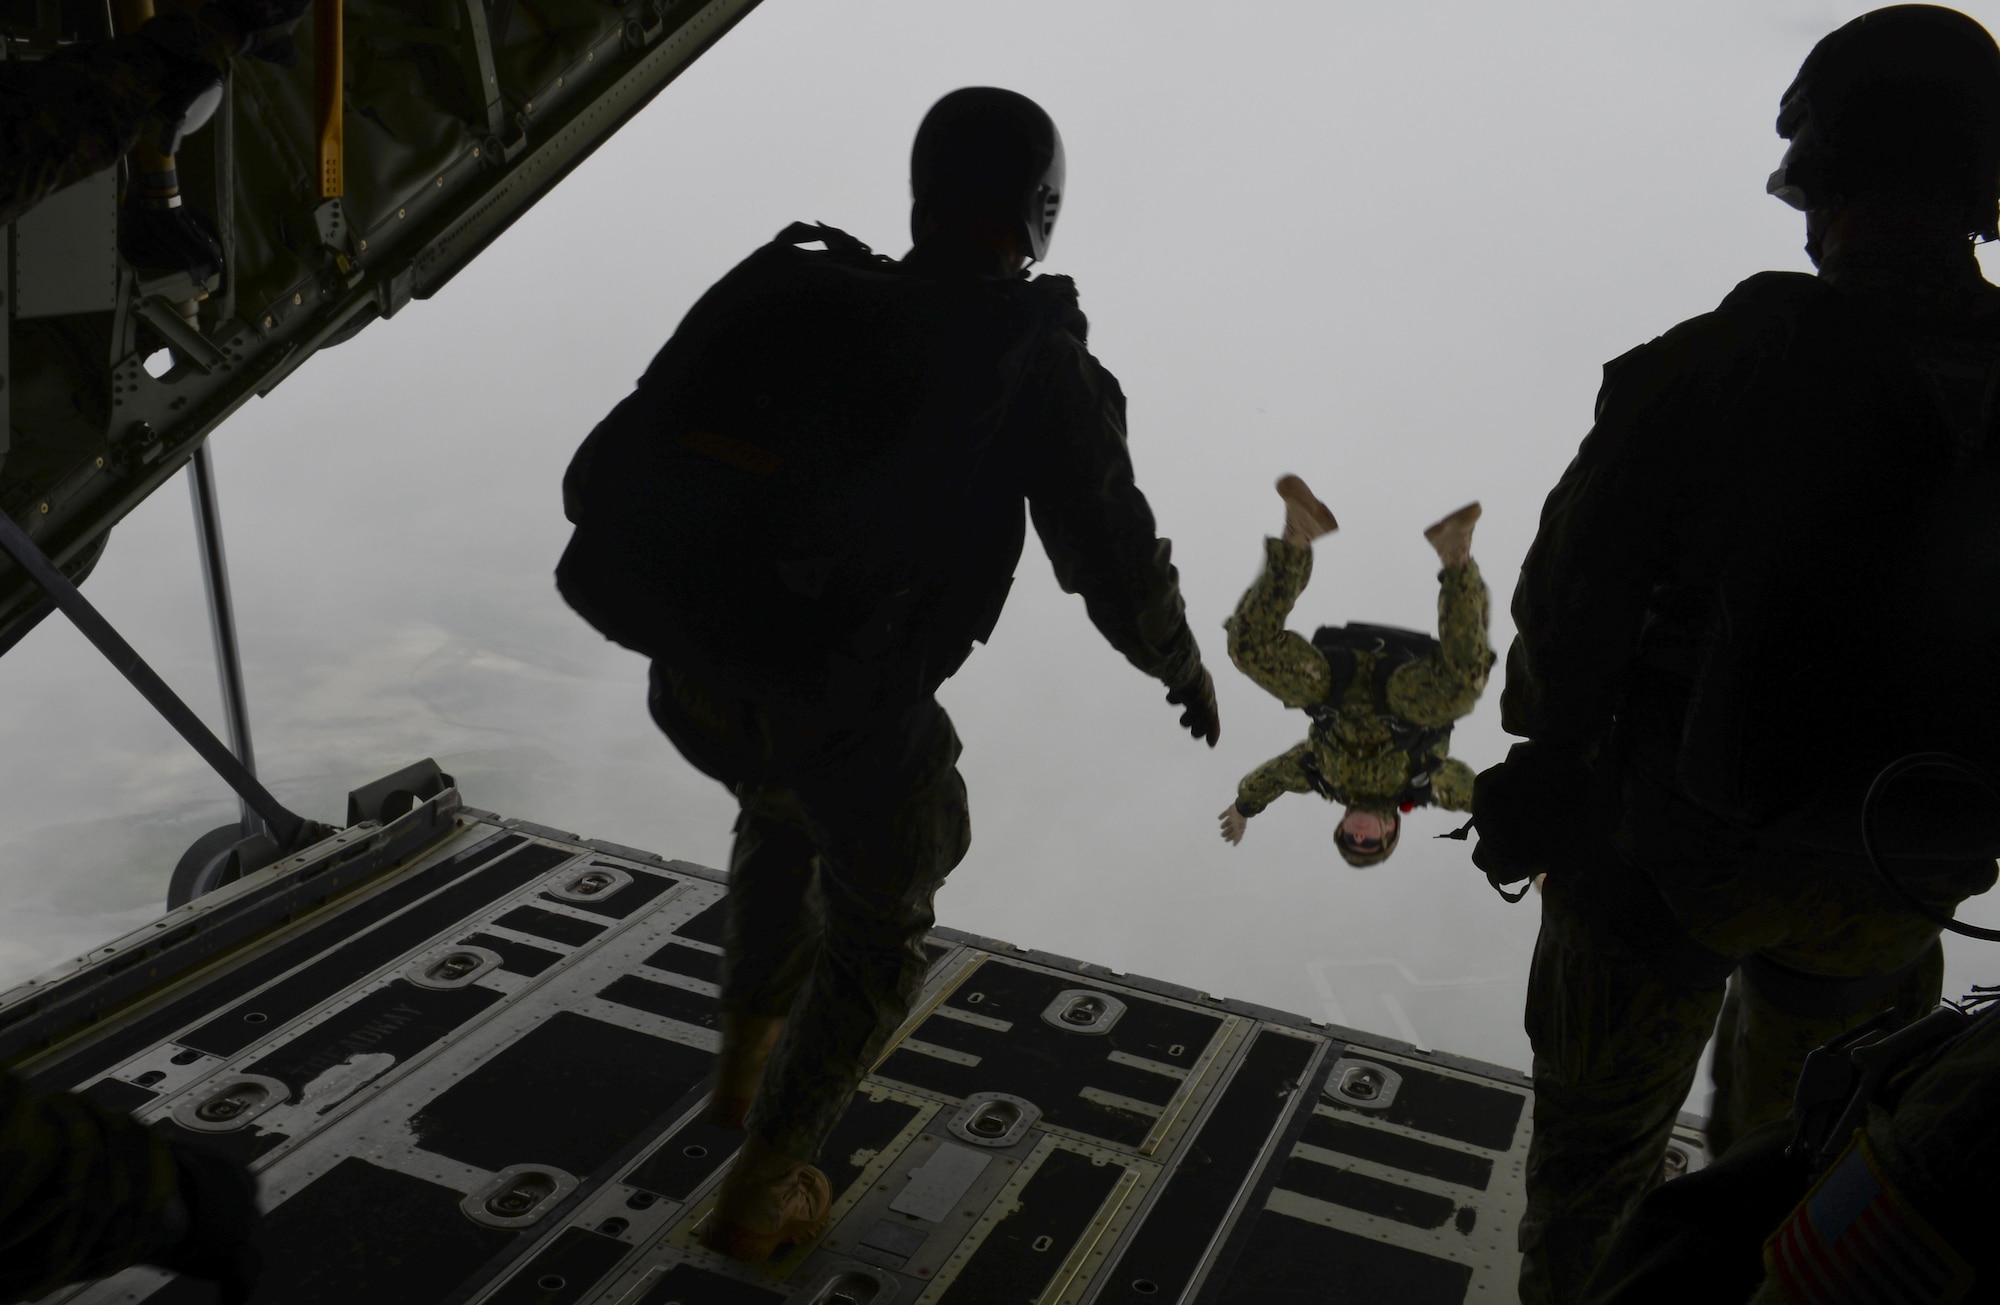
x=1394 y=648
x=1855 y=620
x=797 y=502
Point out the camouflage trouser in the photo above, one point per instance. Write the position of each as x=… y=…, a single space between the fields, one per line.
x=1279 y=661
x=830 y=888
x=1616 y=1047
x=1434 y=690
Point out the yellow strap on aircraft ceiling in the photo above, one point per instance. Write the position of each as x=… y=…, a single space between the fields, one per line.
x=329 y=97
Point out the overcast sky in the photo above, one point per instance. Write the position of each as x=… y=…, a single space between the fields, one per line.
x=1385 y=246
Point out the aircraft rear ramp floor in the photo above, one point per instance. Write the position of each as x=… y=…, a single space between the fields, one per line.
x=478 y=1076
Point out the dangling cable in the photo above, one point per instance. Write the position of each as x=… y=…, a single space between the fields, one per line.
x=1894 y=771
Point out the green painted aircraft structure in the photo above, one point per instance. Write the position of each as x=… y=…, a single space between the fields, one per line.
x=460 y=115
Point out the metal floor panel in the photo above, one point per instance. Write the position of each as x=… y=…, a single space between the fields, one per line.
x=481 y=1081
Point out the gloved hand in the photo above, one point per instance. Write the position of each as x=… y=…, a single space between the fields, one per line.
x=1530 y=810
x=1201 y=718
x=265 y=27
x=225 y=1229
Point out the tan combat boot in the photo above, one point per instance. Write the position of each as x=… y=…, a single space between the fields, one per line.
x=767 y=1200
x=747 y=1042
x=1452 y=537
x=1306 y=518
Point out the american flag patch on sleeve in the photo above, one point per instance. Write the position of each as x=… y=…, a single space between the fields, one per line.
x=1854 y=1240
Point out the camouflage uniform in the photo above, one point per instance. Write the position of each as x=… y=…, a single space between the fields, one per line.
x=830 y=888
x=1617 y=1046
x=82 y=1190
x=1350 y=755
x=845 y=834
x=1912 y=1182
x=1654 y=904
x=80 y=110
x=1925 y=1161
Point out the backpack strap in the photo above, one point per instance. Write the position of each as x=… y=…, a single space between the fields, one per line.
x=1387 y=664
x=840 y=246
x=1320 y=784
x=1426 y=751
x=1417 y=790
x=1341 y=665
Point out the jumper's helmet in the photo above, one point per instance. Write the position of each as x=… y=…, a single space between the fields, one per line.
x=1359 y=854
x=1904 y=100
x=993 y=156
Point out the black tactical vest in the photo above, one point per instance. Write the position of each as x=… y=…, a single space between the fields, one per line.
x=1856 y=617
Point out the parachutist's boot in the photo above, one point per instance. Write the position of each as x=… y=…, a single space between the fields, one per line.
x=747 y=1042
x=1452 y=537
x=768 y=1200
x=1306 y=518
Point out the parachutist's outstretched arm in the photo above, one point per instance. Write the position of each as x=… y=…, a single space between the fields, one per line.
x=1290 y=772
x=1451 y=785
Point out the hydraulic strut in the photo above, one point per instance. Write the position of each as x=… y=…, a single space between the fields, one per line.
x=286 y=828
x=221 y=616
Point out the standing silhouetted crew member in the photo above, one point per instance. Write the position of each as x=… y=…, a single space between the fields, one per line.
x=807 y=514
x=1769 y=572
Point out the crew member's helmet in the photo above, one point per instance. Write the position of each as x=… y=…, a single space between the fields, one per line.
x=989 y=156
x=1905 y=101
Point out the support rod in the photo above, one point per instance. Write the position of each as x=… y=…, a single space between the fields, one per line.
x=221 y=616
x=285 y=827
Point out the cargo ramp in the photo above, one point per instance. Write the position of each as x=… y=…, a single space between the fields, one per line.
x=468 y=1057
